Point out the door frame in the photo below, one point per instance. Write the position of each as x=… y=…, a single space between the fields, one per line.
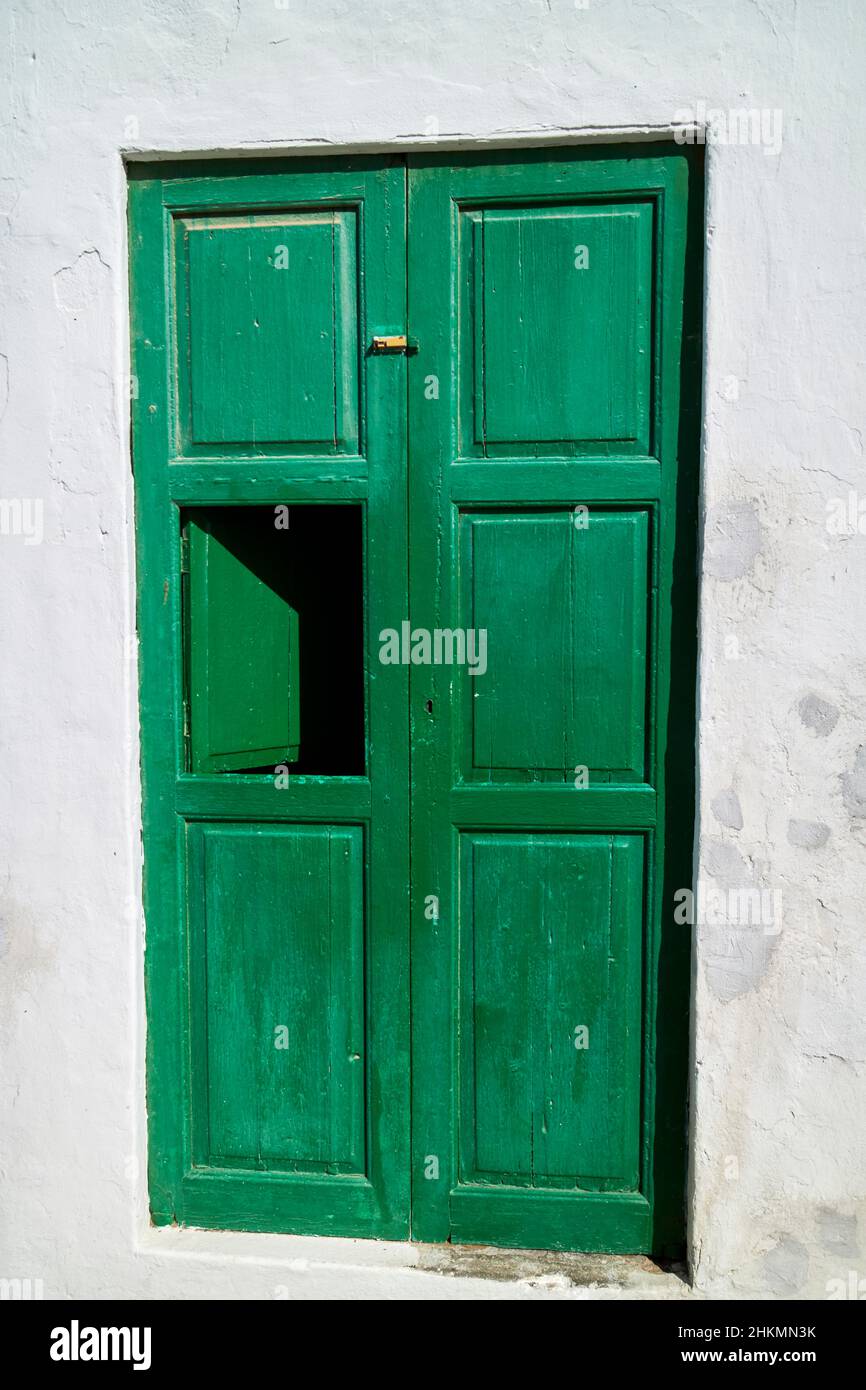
x=667 y=1045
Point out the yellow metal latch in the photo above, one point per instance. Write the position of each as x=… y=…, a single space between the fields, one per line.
x=391 y=342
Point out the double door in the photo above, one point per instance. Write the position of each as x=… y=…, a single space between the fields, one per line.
x=415 y=457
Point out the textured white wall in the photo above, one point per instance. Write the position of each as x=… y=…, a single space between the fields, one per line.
x=777 y=1201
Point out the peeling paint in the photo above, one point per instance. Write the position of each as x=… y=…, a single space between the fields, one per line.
x=854 y=786
x=77 y=286
x=837 y=1231
x=724 y=862
x=727 y=810
x=786 y=1267
x=733 y=540
x=735 y=959
x=818 y=715
x=808 y=834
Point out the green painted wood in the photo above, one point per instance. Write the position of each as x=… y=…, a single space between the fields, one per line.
x=564 y=607
x=255 y=797
x=617 y=1222
x=546 y=481
x=562 y=324
x=262 y=921
x=607 y=806
x=214 y=483
x=268 y=334
x=530 y=395
x=539 y=389
x=550 y=1010
x=277 y=997
x=275 y=625
x=305 y=1204
x=243 y=644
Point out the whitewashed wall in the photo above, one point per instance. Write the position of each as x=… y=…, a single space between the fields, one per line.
x=779 y=1102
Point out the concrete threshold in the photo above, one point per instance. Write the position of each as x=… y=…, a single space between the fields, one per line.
x=191 y=1263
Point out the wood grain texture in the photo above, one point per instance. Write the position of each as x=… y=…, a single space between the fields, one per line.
x=565 y=612
x=267 y=332
x=277 y=998
x=550 y=1010
x=562 y=325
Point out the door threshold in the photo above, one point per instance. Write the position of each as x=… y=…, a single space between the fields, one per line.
x=556 y=1268
x=339 y=1267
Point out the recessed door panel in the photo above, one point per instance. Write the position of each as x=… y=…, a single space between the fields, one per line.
x=559 y=298
x=550 y=1009
x=277 y=969
x=267 y=332
x=562 y=597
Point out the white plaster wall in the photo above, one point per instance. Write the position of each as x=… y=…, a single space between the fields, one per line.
x=779 y=1114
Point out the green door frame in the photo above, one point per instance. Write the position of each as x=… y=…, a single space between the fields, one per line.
x=397 y=423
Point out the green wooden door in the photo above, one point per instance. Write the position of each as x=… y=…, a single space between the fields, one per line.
x=270 y=470
x=552 y=482
x=513 y=502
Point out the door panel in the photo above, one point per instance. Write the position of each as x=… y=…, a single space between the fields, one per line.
x=565 y=612
x=550 y=1010
x=268 y=341
x=277 y=997
x=561 y=347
